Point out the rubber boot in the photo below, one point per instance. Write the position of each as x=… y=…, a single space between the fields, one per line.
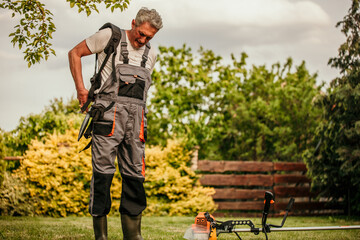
x=131 y=227
x=100 y=227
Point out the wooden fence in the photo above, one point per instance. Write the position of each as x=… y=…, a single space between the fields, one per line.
x=240 y=187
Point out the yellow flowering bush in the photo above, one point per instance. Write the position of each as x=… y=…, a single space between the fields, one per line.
x=58 y=177
x=171 y=186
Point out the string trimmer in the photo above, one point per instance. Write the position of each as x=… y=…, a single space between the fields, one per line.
x=207 y=228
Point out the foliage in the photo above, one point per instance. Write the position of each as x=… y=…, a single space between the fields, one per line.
x=34 y=30
x=57 y=176
x=335 y=168
x=2 y=147
x=36 y=27
x=230 y=111
x=2 y=155
x=171 y=186
x=5 y=166
x=348 y=60
x=91 y=5
x=55 y=117
x=14 y=197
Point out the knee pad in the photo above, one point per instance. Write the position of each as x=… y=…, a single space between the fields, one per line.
x=133 y=198
x=100 y=198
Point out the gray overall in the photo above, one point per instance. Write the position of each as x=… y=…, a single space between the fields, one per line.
x=121 y=133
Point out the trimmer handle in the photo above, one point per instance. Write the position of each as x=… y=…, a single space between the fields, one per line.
x=290 y=204
x=269 y=199
x=209 y=217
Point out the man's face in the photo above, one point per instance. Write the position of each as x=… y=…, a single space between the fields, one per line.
x=140 y=35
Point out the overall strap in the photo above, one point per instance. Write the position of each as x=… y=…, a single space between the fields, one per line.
x=124 y=57
x=124 y=51
x=145 y=55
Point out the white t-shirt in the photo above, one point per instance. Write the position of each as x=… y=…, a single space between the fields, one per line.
x=97 y=42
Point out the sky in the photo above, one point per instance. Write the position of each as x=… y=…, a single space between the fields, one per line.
x=269 y=31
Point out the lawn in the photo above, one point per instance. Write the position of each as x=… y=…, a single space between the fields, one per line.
x=161 y=228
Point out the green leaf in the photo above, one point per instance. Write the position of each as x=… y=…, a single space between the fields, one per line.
x=36 y=20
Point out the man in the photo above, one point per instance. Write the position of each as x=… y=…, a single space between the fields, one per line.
x=121 y=129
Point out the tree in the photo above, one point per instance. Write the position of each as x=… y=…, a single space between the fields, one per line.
x=57 y=116
x=35 y=28
x=270 y=115
x=335 y=167
x=183 y=90
x=230 y=111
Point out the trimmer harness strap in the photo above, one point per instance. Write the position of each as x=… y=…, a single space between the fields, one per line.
x=109 y=49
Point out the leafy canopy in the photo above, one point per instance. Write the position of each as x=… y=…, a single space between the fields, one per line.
x=233 y=111
x=36 y=27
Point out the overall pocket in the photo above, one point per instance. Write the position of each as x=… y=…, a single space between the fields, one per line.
x=133 y=89
x=105 y=127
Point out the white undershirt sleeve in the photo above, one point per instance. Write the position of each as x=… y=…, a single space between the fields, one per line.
x=98 y=41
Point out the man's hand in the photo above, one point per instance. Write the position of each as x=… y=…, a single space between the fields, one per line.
x=82 y=96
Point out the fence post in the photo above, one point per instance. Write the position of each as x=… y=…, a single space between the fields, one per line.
x=16 y=158
x=195 y=158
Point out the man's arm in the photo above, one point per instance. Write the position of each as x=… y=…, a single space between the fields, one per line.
x=75 y=56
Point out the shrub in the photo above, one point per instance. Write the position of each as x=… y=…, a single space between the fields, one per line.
x=58 y=177
x=171 y=186
x=14 y=197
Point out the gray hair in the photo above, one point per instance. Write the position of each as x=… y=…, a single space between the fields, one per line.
x=150 y=16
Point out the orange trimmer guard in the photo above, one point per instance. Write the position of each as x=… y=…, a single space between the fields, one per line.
x=202 y=228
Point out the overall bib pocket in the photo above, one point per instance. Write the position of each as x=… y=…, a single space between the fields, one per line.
x=132 y=82
x=132 y=90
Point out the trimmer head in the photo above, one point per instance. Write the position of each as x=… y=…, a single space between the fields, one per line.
x=202 y=228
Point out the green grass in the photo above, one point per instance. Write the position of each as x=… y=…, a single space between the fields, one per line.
x=162 y=228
